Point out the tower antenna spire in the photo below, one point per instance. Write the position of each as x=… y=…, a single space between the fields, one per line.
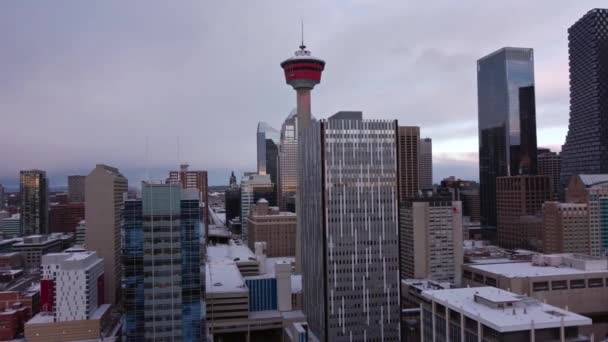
x=302 y=46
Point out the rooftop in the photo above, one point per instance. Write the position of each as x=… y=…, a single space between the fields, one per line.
x=504 y=311
x=590 y=180
x=234 y=250
x=223 y=276
x=546 y=265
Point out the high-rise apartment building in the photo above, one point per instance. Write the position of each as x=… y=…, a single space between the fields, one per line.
x=254 y=188
x=408 y=148
x=426 y=163
x=592 y=190
x=193 y=179
x=106 y=189
x=76 y=188
x=288 y=163
x=566 y=228
x=549 y=164
x=519 y=200
x=34 y=191
x=507 y=122
x=72 y=285
x=431 y=239
x=349 y=213
x=162 y=264
x=585 y=150
x=72 y=301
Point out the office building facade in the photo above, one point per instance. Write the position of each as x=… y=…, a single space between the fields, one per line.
x=549 y=164
x=276 y=228
x=426 y=163
x=106 y=190
x=349 y=211
x=566 y=228
x=76 y=188
x=34 y=191
x=431 y=239
x=161 y=257
x=408 y=148
x=194 y=179
x=254 y=188
x=288 y=163
x=519 y=200
x=507 y=122
x=585 y=150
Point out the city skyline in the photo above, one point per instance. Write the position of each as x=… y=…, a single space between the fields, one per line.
x=93 y=74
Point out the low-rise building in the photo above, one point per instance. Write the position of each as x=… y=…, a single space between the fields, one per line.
x=35 y=246
x=492 y=314
x=575 y=281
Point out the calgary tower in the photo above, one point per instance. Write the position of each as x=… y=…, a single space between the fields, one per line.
x=303 y=72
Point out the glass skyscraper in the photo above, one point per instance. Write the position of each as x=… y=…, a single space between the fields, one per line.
x=34 y=191
x=161 y=260
x=507 y=121
x=586 y=147
x=288 y=163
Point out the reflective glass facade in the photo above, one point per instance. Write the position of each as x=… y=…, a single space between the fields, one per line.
x=33 y=188
x=161 y=257
x=507 y=121
x=586 y=147
x=288 y=159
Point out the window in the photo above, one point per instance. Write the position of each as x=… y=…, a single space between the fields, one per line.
x=559 y=285
x=595 y=282
x=577 y=283
x=540 y=286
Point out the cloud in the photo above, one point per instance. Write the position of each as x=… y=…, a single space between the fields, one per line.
x=87 y=83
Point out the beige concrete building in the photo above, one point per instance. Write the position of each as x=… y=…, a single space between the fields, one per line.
x=102 y=325
x=575 y=281
x=549 y=164
x=408 y=148
x=105 y=189
x=431 y=239
x=518 y=198
x=566 y=228
x=276 y=228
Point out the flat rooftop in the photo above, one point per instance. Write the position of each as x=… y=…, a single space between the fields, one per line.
x=223 y=276
x=528 y=269
x=524 y=313
x=235 y=249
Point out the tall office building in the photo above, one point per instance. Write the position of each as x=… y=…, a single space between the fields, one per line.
x=519 y=200
x=288 y=163
x=76 y=188
x=585 y=150
x=194 y=179
x=264 y=133
x=34 y=190
x=593 y=191
x=549 y=164
x=162 y=265
x=106 y=189
x=566 y=228
x=254 y=188
x=507 y=121
x=349 y=212
x=431 y=239
x=426 y=163
x=408 y=148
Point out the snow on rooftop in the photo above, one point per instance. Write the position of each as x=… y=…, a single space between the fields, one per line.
x=520 y=314
x=223 y=276
x=590 y=180
x=529 y=269
x=232 y=251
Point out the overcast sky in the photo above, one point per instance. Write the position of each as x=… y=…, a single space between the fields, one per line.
x=85 y=82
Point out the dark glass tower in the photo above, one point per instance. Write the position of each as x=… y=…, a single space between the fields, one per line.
x=507 y=121
x=34 y=191
x=161 y=260
x=586 y=147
